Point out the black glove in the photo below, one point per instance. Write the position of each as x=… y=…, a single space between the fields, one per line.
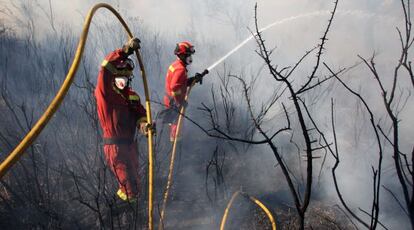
x=132 y=45
x=145 y=127
x=153 y=127
x=198 y=77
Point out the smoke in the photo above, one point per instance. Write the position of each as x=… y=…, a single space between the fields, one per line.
x=215 y=27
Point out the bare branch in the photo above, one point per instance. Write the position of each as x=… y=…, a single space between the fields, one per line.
x=321 y=48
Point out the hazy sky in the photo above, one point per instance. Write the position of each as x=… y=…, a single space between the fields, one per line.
x=360 y=27
x=214 y=16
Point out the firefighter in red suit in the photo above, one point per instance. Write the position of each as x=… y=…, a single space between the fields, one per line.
x=120 y=112
x=176 y=83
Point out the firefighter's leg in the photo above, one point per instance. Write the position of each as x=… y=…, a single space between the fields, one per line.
x=173 y=129
x=133 y=169
x=117 y=160
x=109 y=151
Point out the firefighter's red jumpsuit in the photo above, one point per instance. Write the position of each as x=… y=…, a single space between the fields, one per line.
x=119 y=114
x=175 y=89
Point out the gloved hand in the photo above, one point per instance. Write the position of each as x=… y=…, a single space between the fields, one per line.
x=144 y=127
x=132 y=45
x=152 y=127
x=198 y=77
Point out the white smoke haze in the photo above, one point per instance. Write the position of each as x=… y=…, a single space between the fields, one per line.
x=360 y=27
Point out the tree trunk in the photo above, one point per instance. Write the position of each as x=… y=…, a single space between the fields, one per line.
x=301 y=221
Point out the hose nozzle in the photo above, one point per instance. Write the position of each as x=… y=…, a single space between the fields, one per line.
x=202 y=75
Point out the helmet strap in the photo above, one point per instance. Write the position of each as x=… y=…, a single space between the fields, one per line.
x=128 y=82
x=188 y=60
x=183 y=58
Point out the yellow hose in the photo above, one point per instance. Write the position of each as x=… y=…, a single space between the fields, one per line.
x=226 y=211
x=173 y=152
x=266 y=210
x=253 y=199
x=15 y=155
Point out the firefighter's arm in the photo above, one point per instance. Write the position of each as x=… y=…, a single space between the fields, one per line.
x=107 y=74
x=105 y=88
x=178 y=83
x=108 y=67
x=108 y=89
